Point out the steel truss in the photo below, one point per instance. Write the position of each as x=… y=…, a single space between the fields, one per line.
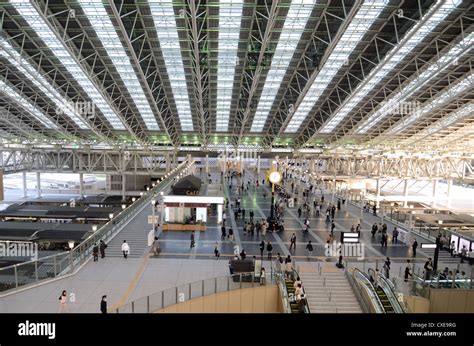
x=91 y=161
x=352 y=167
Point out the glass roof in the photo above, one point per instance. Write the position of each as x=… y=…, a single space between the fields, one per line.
x=295 y=23
x=105 y=30
x=41 y=28
x=165 y=24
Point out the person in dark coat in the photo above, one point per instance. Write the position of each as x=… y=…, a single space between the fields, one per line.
x=102 y=247
x=103 y=304
x=95 y=252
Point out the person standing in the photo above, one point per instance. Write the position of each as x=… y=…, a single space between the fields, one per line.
x=262 y=276
x=63 y=302
x=293 y=242
x=262 y=248
x=413 y=247
x=95 y=252
x=386 y=267
x=463 y=253
x=103 y=304
x=269 y=251
x=102 y=247
x=376 y=278
x=223 y=233
x=125 y=249
x=309 y=249
x=243 y=214
x=374 y=210
x=395 y=236
x=216 y=251
x=408 y=270
x=299 y=212
x=192 y=240
x=452 y=248
x=251 y=215
x=428 y=268
x=231 y=234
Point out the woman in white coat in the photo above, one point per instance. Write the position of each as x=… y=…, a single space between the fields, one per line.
x=125 y=249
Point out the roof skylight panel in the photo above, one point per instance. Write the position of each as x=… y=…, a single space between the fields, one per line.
x=417 y=83
x=10 y=53
x=412 y=38
x=34 y=20
x=230 y=16
x=167 y=31
x=445 y=96
x=356 y=30
x=295 y=23
x=27 y=105
x=105 y=30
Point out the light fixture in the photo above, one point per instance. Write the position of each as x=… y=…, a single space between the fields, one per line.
x=440 y=222
x=94 y=228
x=124 y=206
x=148 y=188
x=162 y=193
x=133 y=199
x=111 y=215
x=274 y=177
x=71 y=244
x=153 y=202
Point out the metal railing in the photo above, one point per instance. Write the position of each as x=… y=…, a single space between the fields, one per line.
x=32 y=273
x=183 y=293
x=360 y=283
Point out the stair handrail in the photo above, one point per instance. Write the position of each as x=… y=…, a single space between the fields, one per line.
x=360 y=279
x=70 y=262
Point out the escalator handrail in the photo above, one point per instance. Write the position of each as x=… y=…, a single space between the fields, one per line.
x=365 y=282
x=389 y=290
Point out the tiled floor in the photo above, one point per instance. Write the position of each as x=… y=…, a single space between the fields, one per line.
x=127 y=280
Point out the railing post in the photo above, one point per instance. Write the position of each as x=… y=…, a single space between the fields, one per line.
x=215 y=285
x=240 y=278
x=162 y=299
x=148 y=304
x=202 y=288
x=71 y=261
x=36 y=270
x=176 y=295
x=133 y=307
x=16 y=276
x=55 y=264
x=189 y=297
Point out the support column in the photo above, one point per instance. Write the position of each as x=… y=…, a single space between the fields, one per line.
x=1 y=185
x=168 y=163
x=124 y=185
x=450 y=185
x=241 y=164
x=258 y=164
x=25 y=187
x=81 y=185
x=377 y=193
x=38 y=184
x=207 y=163
x=435 y=192
x=405 y=193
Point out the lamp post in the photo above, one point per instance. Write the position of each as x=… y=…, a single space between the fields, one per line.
x=275 y=178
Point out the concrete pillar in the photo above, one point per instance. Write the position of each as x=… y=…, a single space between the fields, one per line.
x=377 y=192
x=25 y=187
x=405 y=193
x=258 y=164
x=124 y=186
x=38 y=184
x=207 y=163
x=435 y=192
x=450 y=185
x=168 y=163
x=81 y=184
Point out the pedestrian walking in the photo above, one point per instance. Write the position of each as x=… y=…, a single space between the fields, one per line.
x=262 y=276
x=293 y=242
x=309 y=250
x=102 y=247
x=413 y=247
x=386 y=267
x=95 y=252
x=395 y=236
x=262 y=247
x=125 y=249
x=231 y=234
x=408 y=270
x=216 y=251
x=63 y=302
x=192 y=240
x=103 y=304
x=269 y=251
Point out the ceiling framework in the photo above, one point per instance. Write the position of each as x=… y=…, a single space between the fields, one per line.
x=265 y=75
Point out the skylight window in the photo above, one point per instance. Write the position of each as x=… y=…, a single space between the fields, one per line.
x=413 y=37
x=417 y=83
x=39 y=81
x=104 y=29
x=167 y=31
x=230 y=16
x=34 y=20
x=27 y=105
x=295 y=23
x=356 y=30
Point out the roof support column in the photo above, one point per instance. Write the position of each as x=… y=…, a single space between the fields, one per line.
x=25 y=188
x=81 y=185
x=38 y=184
x=405 y=193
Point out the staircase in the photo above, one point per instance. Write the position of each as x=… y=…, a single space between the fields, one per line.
x=329 y=292
x=444 y=257
x=136 y=235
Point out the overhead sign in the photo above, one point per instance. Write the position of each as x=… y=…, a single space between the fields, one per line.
x=428 y=246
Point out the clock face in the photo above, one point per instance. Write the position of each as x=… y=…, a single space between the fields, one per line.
x=275 y=177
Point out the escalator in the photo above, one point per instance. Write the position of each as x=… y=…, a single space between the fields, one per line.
x=295 y=308
x=387 y=306
x=386 y=294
